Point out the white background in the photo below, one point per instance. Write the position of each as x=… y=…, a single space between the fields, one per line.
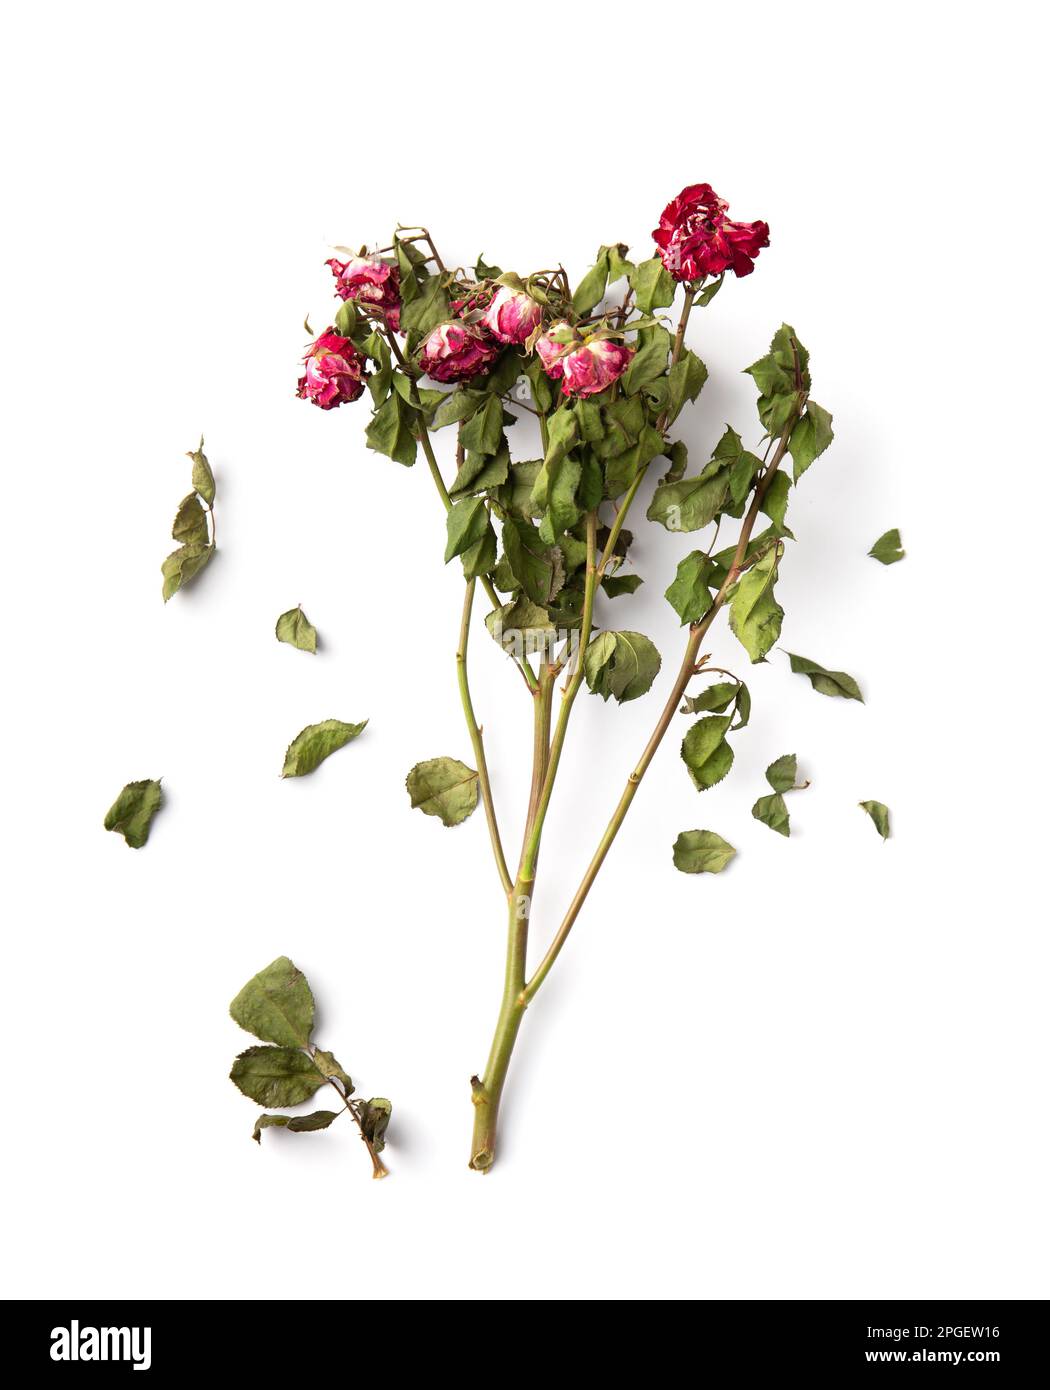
x=822 y=1074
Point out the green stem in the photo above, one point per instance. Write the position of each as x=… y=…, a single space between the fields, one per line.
x=487 y=1091
x=379 y=1168
x=477 y=741
x=697 y=633
x=572 y=689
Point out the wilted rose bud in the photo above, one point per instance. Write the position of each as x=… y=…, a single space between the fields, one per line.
x=457 y=351
x=587 y=368
x=695 y=238
x=368 y=280
x=335 y=371
x=551 y=351
x=512 y=315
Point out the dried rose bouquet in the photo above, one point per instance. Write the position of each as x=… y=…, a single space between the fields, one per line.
x=605 y=370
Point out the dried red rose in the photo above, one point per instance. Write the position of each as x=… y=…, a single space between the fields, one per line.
x=696 y=239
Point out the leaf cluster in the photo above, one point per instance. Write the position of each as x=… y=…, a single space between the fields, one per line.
x=277 y=1006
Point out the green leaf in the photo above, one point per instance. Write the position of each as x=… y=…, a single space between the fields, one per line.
x=827 y=682
x=295 y=1124
x=688 y=593
x=705 y=751
x=390 y=433
x=717 y=698
x=328 y=1067
x=276 y=1005
x=775 y=500
x=554 y=490
x=515 y=496
x=409 y=286
x=592 y=287
x=479 y=558
x=742 y=475
x=459 y=404
x=653 y=285
x=782 y=774
x=754 y=614
x=182 y=565
x=617 y=584
x=465 y=524
x=375 y=1117
x=743 y=706
x=480 y=473
x=621 y=664
x=375 y=346
x=522 y=627
x=686 y=382
x=810 y=437
x=425 y=312
x=708 y=293
x=619 y=265
x=880 y=815
x=887 y=549
x=483 y=433
x=276 y=1075
x=650 y=359
x=702 y=852
x=693 y=503
x=772 y=811
x=784 y=369
x=310 y=748
x=677 y=456
x=345 y=318
x=443 y=787
x=202 y=479
x=191 y=522
x=131 y=815
x=295 y=628
x=537 y=567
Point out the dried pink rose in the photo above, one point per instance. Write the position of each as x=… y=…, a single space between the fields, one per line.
x=335 y=371
x=551 y=351
x=456 y=351
x=512 y=315
x=372 y=282
x=587 y=369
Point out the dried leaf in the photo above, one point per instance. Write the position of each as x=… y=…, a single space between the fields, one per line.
x=880 y=815
x=202 y=478
x=310 y=747
x=182 y=565
x=887 y=549
x=295 y=628
x=827 y=682
x=375 y=1116
x=295 y=1124
x=276 y=1005
x=276 y=1075
x=702 y=852
x=621 y=664
x=131 y=815
x=705 y=751
x=443 y=787
x=772 y=811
